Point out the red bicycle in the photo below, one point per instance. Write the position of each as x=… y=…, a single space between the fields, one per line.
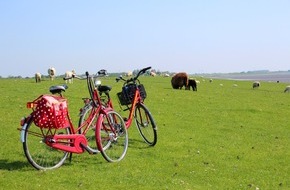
x=49 y=137
x=132 y=97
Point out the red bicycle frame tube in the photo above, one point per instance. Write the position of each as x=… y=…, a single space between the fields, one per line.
x=137 y=98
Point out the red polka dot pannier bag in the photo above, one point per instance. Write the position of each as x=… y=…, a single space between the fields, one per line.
x=50 y=112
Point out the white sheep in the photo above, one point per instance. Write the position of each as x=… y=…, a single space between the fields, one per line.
x=70 y=74
x=287 y=89
x=256 y=84
x=130 y=73
x=51 y=73
x=153 y=74
x=37 y=77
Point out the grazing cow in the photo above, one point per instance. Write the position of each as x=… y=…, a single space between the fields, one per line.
x=51 y=73
x=69 y=74
x=37 y=77
x=192 y=84
x=256 y=84
x=287 y=89
x=179 y=80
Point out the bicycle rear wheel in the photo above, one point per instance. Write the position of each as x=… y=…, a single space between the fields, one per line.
x=112 y=136
x=145 y=124
x=40 y=155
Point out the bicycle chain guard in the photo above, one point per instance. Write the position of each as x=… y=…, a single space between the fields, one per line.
x=73 y=143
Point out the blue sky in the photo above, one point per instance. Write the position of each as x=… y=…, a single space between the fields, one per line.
x=196 y=36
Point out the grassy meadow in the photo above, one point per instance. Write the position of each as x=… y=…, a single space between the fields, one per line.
x=220 y=137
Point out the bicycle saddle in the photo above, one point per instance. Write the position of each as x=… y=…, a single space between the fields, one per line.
x=104 y=88
x=58 y=89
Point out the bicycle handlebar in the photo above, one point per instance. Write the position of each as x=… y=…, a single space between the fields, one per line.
x=143 y=71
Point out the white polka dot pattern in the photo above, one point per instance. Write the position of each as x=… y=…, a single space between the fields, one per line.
x=51 y=112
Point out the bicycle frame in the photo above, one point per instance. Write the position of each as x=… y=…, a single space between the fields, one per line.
x=132 y=95
x=77 y=139
x=49 y=137
x=137 y=99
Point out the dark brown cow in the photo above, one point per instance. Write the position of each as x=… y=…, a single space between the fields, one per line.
x=179 y=80
x=192 y=84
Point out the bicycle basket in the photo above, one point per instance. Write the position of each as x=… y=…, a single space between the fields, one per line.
x=127 y=95
x=50 y=112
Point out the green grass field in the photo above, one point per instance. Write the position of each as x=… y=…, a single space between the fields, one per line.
x=220 y=137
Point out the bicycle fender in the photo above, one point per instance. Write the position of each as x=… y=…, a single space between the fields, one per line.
x=23 y=129
x=97 y=135
x=23 y=123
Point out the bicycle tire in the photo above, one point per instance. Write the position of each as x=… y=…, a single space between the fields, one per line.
x=38 y=154
x=91 y=133
x=112 y=136
x=145 y=124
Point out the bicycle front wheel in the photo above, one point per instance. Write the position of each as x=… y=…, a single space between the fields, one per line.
x=38 y=154
x=145 y=124
x=112 y=136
